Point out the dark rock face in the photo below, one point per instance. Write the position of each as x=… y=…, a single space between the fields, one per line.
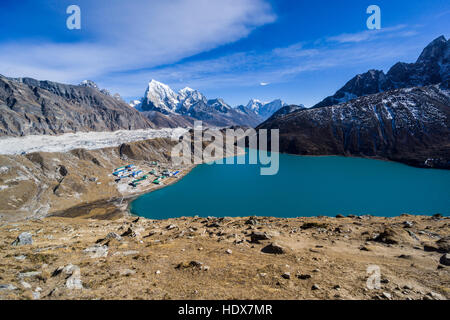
x=273 y=248
x=407 y=125
x=432 y=67
x=29 y=106
x=217 y=113
x=173 y=120
x=287 y=110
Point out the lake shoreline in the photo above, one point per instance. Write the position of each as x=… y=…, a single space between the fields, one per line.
x=121 y=206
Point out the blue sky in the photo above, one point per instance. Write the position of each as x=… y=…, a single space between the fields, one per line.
x=299 y=51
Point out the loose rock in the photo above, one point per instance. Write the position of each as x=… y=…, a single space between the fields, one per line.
x=273 y=248
x=23 y=239
x=97 y=251
x=445 y=259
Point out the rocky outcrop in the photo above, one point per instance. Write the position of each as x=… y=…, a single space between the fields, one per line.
x=29 y=106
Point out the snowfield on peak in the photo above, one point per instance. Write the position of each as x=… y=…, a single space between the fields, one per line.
x=85 y=140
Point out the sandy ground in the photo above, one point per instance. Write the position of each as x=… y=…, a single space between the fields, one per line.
x=218 y=258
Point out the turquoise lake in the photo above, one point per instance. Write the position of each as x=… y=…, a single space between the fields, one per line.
x=304 y=186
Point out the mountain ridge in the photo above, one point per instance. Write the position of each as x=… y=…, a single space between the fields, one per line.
x=191 y=105
x=30 y=106
x=431 y=67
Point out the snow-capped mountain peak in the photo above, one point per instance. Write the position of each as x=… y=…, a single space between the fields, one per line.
x=160 y=97
x=89 y=84
x=265 y=109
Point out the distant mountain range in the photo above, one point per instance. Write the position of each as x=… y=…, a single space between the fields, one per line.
x=161 y=102
x=402 y=116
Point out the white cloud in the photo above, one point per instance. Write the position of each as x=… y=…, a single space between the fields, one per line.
x=145 y=34
x=280 y=65
x=371 y=34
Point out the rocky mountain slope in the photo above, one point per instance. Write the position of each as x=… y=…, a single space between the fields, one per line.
x=432 y=67
x=407 y=125
x=287 y=110
x=29 y=106
x=191 y=105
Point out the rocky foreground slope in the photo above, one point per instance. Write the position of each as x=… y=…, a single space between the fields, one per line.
x=29 y=106
x=407 y=125
x=226 y=258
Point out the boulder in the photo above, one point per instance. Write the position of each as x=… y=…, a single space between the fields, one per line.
x=445 y=259
x=443 y=245
x=388 y=236
x=273 y=248
x=129 y=233
x=23 y=239
x=97 y=251
x=257 y=236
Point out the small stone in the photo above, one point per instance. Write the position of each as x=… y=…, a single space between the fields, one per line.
x=286 y=275
x=251 y=221
x=387 y=295
x=263 y=274
x=74 y=283
x=408 y=224
x=113 y=235
x=304 y=276
x=229 y=251
x=445 y=259
x=97 y=251
x=127 y=272
x=407 y=287
x=129 y=233
x=435 y=296
x=26 y=285
x=171 y=226
x=158 y=272
x=23 y=239
x=315 y=287
x=339 y=216
x=205 y=268
x=29 y=274
x=385 y=281
x=5 y=287
x=337 y=287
